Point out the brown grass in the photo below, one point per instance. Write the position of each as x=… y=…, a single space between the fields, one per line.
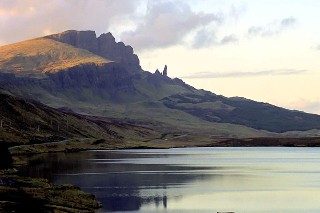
x=43 y=55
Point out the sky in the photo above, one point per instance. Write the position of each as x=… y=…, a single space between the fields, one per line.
x=264 y=50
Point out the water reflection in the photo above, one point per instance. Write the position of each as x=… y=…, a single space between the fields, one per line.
x=194 y=179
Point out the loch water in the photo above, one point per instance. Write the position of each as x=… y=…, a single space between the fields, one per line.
x=240 y=180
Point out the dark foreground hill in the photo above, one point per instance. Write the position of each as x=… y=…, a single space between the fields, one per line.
x=25 y=122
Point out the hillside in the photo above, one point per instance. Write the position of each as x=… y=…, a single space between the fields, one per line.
x=29 y=122
x=78 y=75
x=30 y=127
x=41 y=55
x=257 y=115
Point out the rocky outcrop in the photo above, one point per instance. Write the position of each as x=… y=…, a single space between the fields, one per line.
x=118 y=52
x=81 y=39
x=165 y=71
x=105 y=46
x=109 y=76
x=109 y=82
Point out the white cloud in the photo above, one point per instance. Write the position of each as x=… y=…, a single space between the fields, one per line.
x=160 y=24
x=273 y=28
x=167 y=23
x=33 y=18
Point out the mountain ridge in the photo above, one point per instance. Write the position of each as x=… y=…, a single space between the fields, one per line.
x=104 y=46
x=121 y=89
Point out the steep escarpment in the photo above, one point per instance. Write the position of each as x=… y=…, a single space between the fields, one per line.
x=86 y=82
x=92 y=83
x=104 y=46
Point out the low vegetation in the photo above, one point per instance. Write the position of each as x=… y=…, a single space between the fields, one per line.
x=21 y=194
x=41 y=55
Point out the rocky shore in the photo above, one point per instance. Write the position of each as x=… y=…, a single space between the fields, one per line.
x=24 y=194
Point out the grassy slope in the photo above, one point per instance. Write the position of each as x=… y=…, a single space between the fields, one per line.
x=40 y=128
x=29 y=122
x=241 y=111
x=42 y=55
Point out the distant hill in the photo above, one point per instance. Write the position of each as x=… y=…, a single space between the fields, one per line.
x=101 y=77
x=242 y=111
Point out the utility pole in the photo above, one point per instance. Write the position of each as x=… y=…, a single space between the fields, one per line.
x=38 y=128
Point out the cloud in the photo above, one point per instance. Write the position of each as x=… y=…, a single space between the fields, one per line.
x=273 y=28
x=288 y=22
x=229 y=39
x=168 y=23
x=236 y=11
x=202 y=75
x=20 y=20
x=204 y=38
x=144 y=24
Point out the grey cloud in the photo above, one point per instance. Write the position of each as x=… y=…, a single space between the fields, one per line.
x=288 y=22
x=273 y=28
x=203 y=38
x=239 y=74
x=20 y=20
x=229 y=39
x=255 y=30
x=167 y=23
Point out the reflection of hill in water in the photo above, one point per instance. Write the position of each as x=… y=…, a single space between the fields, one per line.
x=122 y=182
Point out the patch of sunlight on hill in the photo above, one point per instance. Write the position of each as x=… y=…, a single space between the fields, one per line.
x=43 y=55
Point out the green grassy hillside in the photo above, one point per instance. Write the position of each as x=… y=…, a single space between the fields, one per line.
x=29 y=122
x=257 y=115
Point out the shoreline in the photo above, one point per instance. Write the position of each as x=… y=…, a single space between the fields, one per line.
x=77 y=145
x=25 y=194
x=39 y=191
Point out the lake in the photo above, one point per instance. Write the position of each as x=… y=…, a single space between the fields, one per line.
x=237 y=180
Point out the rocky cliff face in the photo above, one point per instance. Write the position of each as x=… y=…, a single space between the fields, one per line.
x=109 y=82
x=105 y=46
